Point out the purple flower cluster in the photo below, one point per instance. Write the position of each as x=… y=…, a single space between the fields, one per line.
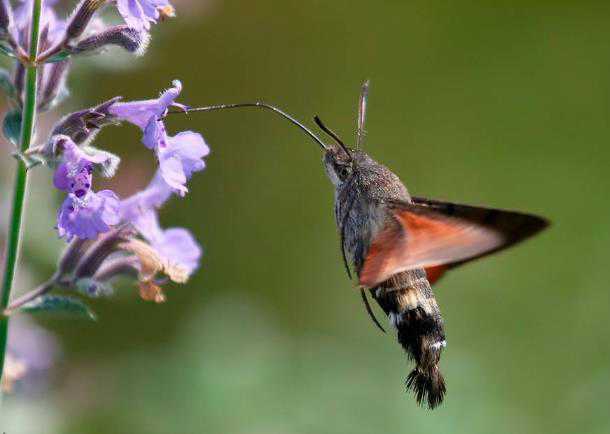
x=86 y=214
x=107 y=236
x=113 y=235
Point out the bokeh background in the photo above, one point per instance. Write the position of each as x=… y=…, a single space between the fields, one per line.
x=505 y=104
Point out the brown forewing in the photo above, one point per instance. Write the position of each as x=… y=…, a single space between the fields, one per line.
x=437 y=235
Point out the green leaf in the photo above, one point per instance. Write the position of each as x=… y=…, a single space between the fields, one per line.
x=6 y=51
x=93 y=288
x=59 y=304
x=11 y=126
x=6 y=83
x=62 y=55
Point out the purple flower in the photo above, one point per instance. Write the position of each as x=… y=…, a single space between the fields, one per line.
x=84 y=213
x=176 y=246
x=86 y=217
x=141 y=13
x=74 y=174
x=179 y=246
x=141 y=113
x=180 y=155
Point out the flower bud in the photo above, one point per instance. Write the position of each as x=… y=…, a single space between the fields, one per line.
x=53 y=87
x=100 y=250
x=81 y=17
x=124 y=266
x=72 y=254
x=123 y=36
x=83 y=125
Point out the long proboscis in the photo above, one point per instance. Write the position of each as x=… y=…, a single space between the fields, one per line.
x=257 y=104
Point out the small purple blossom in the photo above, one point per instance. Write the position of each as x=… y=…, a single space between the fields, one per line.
x=77 y=163
x=141 y=113
x=84 y=213
x=180 y=155
x=179 y=246
x=87 y=216
x=140 y=14
x=77 y=182
x=174 y=245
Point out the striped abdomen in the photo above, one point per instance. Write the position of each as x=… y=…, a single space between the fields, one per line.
x=409 y=303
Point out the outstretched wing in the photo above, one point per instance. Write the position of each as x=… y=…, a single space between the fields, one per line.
x=438 y=235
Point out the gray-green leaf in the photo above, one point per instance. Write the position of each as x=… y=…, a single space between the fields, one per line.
x=11 y=126
x=6 y=51
x=62 y=55
x=6 y=83
x=59 y=304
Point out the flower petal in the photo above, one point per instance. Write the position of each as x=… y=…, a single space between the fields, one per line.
x=179 y=246
x=140 y=113
x=141 y=13
x=172 y=171
x=153 y=196
x=182 y=156
x=61 y=180
x=191 y=148
x=89 y=216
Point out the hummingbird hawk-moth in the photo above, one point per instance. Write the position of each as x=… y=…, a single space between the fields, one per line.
x=399 y=245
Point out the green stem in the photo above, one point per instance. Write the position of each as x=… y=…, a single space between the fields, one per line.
x=20 y=186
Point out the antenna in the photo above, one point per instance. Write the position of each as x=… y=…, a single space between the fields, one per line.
x=360 y=132
x=332 y=134
x=257 y=104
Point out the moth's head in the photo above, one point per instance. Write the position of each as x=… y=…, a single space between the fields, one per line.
x=339 y=160
x=339 y=164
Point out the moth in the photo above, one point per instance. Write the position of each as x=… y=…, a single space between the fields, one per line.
x=399 y=245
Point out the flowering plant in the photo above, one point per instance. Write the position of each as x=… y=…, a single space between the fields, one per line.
x=107 y=236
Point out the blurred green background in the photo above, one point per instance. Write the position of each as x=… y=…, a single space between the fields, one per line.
x=504 y=104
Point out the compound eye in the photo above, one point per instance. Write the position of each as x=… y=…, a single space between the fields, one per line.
x=342 y=171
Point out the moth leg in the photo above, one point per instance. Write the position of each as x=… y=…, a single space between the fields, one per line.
x=342 y=239
x=342 y=235
x=369 y=310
